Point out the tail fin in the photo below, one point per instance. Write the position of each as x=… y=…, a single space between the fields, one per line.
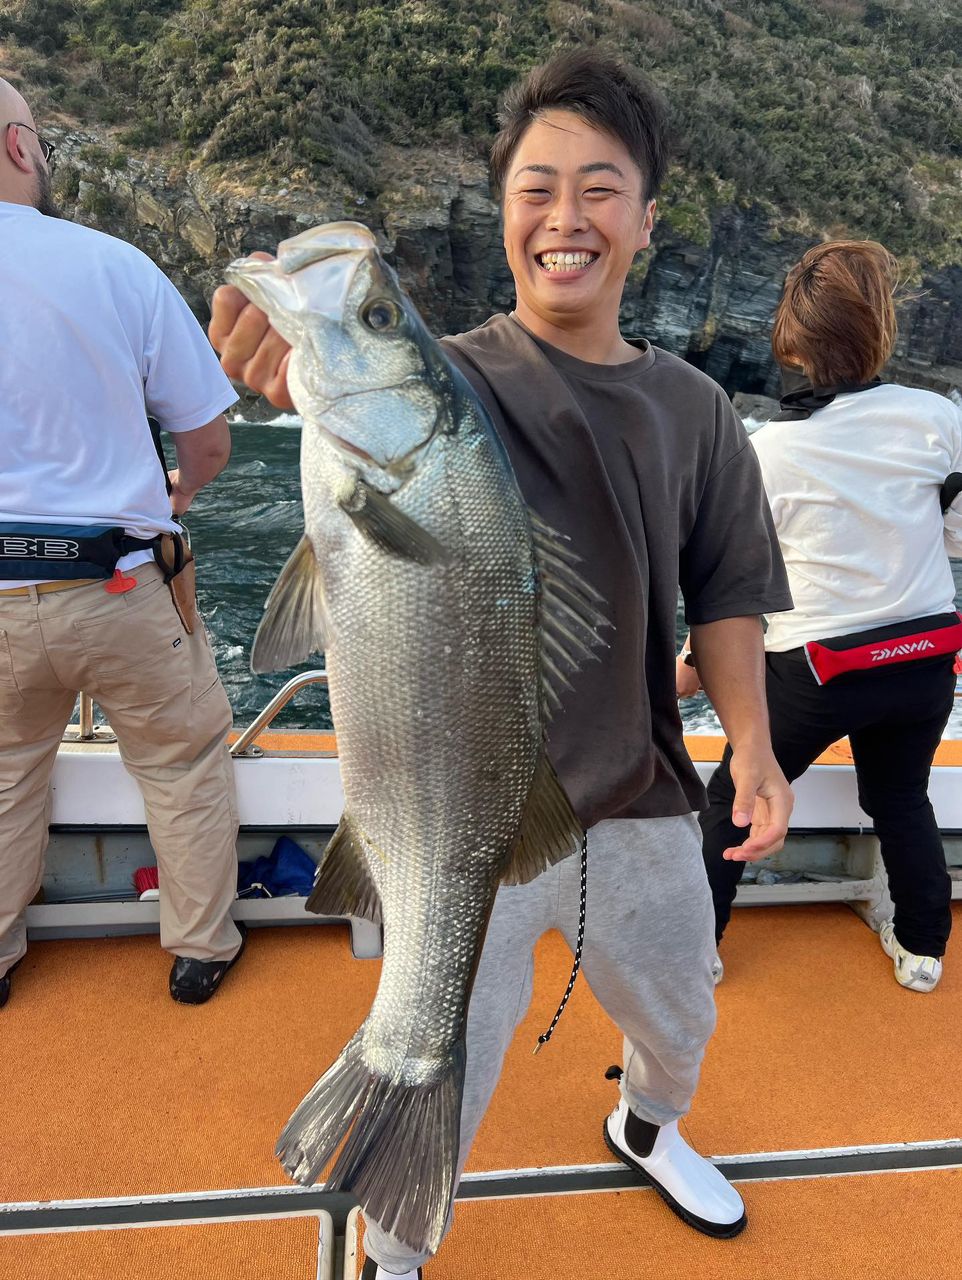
x=401 y=1154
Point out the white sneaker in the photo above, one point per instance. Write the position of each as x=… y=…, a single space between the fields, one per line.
x=373 y=1272
x=687 y=1182
x=717 y=969
x=917 y=973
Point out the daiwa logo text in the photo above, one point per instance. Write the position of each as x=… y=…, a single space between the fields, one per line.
x=15 y=548
x=901 y=650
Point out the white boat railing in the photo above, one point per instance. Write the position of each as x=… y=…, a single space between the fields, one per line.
x=831 y=856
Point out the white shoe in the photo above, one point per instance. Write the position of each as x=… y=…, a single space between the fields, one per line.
x=917 y=973
x=371 y=1271
x=717 y=969
x=687 y=1182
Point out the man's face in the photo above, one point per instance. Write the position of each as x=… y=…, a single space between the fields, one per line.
x=575 y=215
x=14 y=108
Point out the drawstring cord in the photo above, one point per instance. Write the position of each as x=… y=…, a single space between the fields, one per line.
x=546 y=1036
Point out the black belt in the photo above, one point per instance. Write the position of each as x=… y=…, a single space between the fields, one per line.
x=61 y=552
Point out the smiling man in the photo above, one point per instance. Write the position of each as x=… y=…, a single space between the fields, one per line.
x=577 y=209
x=640 y=460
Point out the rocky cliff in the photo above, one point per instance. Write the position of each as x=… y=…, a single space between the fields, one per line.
x=711 y=302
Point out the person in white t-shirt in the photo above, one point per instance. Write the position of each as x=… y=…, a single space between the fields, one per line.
x=853 y=469
x=95 y=339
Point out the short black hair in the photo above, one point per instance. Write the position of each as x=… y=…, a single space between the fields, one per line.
x=605 y=92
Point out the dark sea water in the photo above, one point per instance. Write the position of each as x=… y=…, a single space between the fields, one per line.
x=243 y=528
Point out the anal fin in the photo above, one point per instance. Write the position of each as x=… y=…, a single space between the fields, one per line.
x=550 y=829
x=294 y=624
x=343 y=885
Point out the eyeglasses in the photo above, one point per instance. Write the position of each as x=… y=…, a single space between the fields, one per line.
x=46 y=148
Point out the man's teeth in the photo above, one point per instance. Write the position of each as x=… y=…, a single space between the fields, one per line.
x=566 y=261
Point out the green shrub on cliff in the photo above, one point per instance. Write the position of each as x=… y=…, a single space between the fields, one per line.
x=841 y=115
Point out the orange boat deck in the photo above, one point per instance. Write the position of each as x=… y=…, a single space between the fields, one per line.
x=111 y=1091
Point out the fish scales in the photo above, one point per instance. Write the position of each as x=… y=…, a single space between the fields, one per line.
x=432 y=591
x=437 y=757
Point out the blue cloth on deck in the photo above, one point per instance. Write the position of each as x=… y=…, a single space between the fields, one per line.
x=287 y=871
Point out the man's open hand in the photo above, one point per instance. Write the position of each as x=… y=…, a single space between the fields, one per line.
x=763 y=801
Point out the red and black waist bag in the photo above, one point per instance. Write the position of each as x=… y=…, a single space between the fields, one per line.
x=914 y=641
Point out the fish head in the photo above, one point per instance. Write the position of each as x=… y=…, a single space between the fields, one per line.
x=364 y=369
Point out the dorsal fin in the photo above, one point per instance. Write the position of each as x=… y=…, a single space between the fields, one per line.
x=569 y=615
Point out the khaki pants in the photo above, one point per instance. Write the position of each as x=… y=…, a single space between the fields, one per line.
x=160 y=690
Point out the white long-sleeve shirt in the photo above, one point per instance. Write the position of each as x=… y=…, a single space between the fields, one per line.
x=854 y=492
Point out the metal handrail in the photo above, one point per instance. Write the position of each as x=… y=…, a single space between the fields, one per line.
x=258 y=725
x=85 y=731
x=86 y=715
x=279 y=700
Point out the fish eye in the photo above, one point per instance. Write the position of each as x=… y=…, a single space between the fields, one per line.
x=381 y=314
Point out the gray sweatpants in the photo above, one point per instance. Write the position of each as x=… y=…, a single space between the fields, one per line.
x=649 y=943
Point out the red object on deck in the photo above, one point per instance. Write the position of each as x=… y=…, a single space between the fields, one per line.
x=146 y=878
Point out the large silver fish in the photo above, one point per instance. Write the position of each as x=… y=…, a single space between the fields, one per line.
x=447 y=613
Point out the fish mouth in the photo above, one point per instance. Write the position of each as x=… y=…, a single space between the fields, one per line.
x=333 y=276
x=331 y=240
x=284 y=288
x=566 y=262
x=328 y=241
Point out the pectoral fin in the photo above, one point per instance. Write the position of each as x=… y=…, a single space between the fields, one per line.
x=343 y=886
x=382 y=521
x=550 y=829
x=294 y=624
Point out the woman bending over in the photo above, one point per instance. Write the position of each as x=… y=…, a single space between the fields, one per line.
x=853 y=468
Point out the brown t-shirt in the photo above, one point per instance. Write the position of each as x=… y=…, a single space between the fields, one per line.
x=648 y=471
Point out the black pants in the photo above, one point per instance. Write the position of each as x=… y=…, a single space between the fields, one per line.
x=894 y=720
